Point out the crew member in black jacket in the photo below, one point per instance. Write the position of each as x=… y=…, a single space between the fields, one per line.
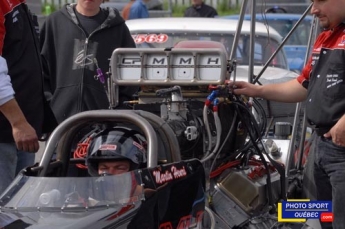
x=77 y=43
x=200 y=9
x=21 y=90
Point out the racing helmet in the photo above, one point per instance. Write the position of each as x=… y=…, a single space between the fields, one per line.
x=113 y=144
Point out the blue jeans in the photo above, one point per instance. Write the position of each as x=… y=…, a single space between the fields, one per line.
x=329 y=174
x=12 y=161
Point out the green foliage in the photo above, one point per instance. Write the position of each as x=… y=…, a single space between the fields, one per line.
x=223 y=6
x=178 y=10
x=48 y=8
x=224 y=9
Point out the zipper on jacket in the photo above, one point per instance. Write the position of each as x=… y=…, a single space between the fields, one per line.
x=83 y=75
x=73 y=17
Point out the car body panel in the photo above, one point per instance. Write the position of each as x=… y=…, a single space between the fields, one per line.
x=145 y=31
x=212 y=25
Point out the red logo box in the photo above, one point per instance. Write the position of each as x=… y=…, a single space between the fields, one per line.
x=326 y=217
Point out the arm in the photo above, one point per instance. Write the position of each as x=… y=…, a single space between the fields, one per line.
x=144 y=11
x=24 y=135
x=337 y=132
x=138 y=10
x=290 y=92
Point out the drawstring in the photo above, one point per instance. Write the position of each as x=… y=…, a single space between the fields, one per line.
x=100 y=76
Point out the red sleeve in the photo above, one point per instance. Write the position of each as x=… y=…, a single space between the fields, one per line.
x=305 y=74
x=5 y=8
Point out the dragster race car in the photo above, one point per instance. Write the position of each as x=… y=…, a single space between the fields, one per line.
x=208 y=165
x=215 y=160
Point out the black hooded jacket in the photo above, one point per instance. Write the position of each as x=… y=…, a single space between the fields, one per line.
x=69 y=64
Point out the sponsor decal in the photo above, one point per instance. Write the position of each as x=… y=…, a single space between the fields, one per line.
x=150 y=38
x=333 y=80
x=185 y=222
x=169 y=174
x=107 y=147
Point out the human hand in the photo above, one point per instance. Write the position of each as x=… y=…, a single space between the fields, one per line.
x=244 y=88
x=25 y=137
x=337 y=132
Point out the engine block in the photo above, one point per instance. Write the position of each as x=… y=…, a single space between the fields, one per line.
x=239 y=196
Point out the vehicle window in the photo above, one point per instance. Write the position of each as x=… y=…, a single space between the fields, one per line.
x=263 y=47
x=298 y=37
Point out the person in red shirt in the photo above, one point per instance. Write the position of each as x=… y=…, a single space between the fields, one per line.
x=322 y=85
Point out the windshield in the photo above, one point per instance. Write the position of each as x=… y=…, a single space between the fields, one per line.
x=263 y=48
x=68 y=193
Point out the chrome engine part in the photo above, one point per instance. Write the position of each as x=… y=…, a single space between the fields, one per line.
x=242 y=195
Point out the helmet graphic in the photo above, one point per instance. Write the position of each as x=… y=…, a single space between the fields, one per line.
x=113 y=144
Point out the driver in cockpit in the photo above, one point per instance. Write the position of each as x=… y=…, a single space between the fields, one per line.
x=111 y=151
x=115 y=151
